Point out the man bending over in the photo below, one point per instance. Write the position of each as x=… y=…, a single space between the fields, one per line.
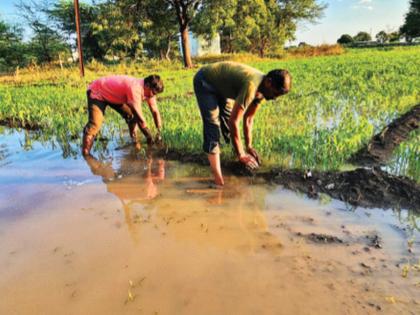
x=248 y=87
x=124 y=94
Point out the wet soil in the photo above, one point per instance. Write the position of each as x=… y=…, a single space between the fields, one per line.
x=16 y=123
x=371 y=188
x=380 y=148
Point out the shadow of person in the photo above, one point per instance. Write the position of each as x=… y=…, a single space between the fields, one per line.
x=134 y=182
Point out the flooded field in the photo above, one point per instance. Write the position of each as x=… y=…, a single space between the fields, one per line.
x=129 y=234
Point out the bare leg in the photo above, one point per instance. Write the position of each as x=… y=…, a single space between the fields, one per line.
x=216 y=169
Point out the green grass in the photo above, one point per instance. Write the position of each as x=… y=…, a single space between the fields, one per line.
x=336 y=104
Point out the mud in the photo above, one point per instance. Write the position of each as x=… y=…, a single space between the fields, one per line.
x=370 y=188
x=322 y=238
x=380 y=148
x=16 y=123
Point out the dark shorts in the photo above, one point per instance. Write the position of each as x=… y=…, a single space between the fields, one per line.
x=96 y=110
x=215 y=112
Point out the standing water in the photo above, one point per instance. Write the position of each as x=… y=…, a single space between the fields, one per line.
x=129 y=234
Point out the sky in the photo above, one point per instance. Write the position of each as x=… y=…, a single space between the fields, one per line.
x=351 y=17
x=340 y=17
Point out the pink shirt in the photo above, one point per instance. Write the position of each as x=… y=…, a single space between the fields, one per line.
x=119 y=89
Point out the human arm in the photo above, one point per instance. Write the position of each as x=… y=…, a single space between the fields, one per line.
x=137 y=111
x=235 y=117
x=134 y=99
x=156 y=117
x=155 y=112
x=247 y=126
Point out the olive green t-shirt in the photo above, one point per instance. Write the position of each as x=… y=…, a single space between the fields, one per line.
x=234 y=80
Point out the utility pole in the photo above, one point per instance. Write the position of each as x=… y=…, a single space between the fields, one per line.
x=79 y=38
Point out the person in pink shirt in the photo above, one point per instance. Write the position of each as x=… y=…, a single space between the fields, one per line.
x=124 y=94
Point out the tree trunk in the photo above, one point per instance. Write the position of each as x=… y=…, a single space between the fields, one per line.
x=168 y=50
x=185 y=42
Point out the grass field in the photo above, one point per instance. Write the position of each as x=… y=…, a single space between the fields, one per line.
x=336 y=104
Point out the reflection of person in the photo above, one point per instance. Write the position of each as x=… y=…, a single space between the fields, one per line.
x=125 y=95
x=130 y=189
x=213 y=86
x=125 y=188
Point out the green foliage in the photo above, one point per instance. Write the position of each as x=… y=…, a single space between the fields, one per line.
x=394 y=37
x=103 y=28
x=13 y=53
x=46 y=43
x=362 y=37
x=382 y=37
x=345 y=39
x=411 y=27
x=257 y=26
x=157 y=24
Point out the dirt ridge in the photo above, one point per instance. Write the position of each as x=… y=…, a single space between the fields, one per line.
x=380 y=148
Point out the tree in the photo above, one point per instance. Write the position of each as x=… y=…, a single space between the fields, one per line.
x=362 y=37
x=257 y=26
x=156 y=24
x=394 y=36
x=345 y=39
x=46 y=42
x=13 y=52
x=100 y=26
x=184 y=11
x=382 y=37
x=217 y=17
x=116 y=34
x=411 y=26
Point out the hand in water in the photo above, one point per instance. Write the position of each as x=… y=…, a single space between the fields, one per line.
x=249 y=161
x=254 y=154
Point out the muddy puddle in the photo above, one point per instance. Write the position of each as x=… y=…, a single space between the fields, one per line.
x=126 y=234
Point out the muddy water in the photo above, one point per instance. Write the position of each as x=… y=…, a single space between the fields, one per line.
x=135 y=235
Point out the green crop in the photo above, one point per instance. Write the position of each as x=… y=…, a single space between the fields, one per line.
x=336 y=104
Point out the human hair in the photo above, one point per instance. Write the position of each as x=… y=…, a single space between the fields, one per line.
x=155 y=83
x=281 y=79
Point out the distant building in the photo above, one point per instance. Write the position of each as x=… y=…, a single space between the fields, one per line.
x=201 y=46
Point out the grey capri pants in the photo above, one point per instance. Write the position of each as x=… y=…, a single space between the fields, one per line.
x=215 y=113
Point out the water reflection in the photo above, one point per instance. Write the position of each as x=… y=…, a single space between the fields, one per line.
x=134 y=183
x=130 y=189
x=189 y=209
x=405 y=162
